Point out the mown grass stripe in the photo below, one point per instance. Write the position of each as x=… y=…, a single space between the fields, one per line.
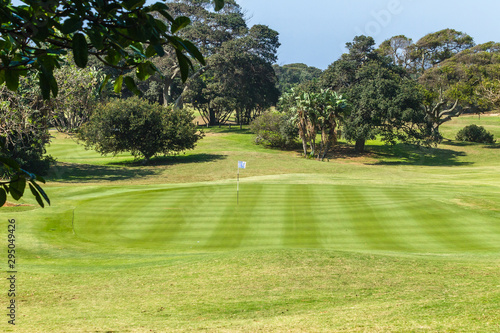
x=366 y=213
x=300 y=226
x=235 y=221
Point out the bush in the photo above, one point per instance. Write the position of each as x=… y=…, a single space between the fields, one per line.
x=474 y=133
x=23 y=134
x=143 y=129
x=274 y=129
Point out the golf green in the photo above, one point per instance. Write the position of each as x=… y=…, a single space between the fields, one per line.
x=342 y=217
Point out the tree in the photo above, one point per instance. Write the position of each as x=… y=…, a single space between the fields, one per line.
x=122 y=34
x=399 y=49
x=292 y=75
x=458 y=84
x=23 y=136
x=79 y=93
x=316 y=112
x=143 y=129
x=208 y=31
x=243 y=61
x=489 y=91
x=436 y=47
x=213 y=93
x=383 y=98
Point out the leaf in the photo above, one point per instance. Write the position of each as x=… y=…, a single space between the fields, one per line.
x=71 y=25
x=44 y=86
x=103 y=83
x=12 y=79
x=37 y=196
x=179 y=23
x=42 y=32
x=160 y=26
x=118 y=84
x=47 y=82
x=166 y=15
x=145 y=70
x=17 y=188
x=40 y=179
x=10 y=163
x=80 y=50
x=193 y=50
x=3 y=197
x=95 y=38
x=132 y=4
x=138 y=51
x=219 y=4
x=29 y=174
x=150 y=51
x=158 y=6
x=159 y=49
x=129 y=82
x=41 y=191
x=184 y=64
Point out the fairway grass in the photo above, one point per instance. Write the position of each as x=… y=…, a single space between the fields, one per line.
x=401 y=239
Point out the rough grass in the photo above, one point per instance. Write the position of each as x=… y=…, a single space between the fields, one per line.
x=400 y=239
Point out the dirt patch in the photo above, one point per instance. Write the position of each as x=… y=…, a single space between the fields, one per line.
x=10 y=204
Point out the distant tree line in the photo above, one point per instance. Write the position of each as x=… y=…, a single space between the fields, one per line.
x=401 y=91
x=71 y=73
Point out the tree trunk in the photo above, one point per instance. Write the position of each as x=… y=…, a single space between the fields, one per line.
x=360 y=145
x=304 y=146
x=211 y=117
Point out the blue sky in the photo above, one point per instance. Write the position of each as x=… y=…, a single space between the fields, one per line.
x=314 y=32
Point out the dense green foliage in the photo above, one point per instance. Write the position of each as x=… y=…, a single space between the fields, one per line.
x=143 y=129
x=120 y=33
x=237 y=55
x=293 y=75
x=474 y=133
x=316 y=113
x=455 y=75
x=235 y=81
x=23 y=130
x=275 y=129
x=78 y=97
x=385 y=100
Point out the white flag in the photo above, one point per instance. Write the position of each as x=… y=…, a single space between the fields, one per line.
x=242 y=165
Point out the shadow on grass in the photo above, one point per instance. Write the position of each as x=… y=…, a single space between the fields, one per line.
x=495 y=145
x=68 y=172
x=226 y=129
x=173 y=160
x=401 y=154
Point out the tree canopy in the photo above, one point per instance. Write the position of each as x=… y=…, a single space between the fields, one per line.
x=143 y=129
x=383 y=98
x=122 y=34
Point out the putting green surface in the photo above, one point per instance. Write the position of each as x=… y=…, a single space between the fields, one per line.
x=400 y=219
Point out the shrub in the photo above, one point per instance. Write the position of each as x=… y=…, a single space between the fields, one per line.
x=474 y=133
x=23 y=135
x=274 y=129
x=141 y=128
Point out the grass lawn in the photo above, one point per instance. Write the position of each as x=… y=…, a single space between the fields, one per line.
x=401 y=239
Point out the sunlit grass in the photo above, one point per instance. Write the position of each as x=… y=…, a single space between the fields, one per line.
x=400 y=239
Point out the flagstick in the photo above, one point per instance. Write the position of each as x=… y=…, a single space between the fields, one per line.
x=238 y=188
